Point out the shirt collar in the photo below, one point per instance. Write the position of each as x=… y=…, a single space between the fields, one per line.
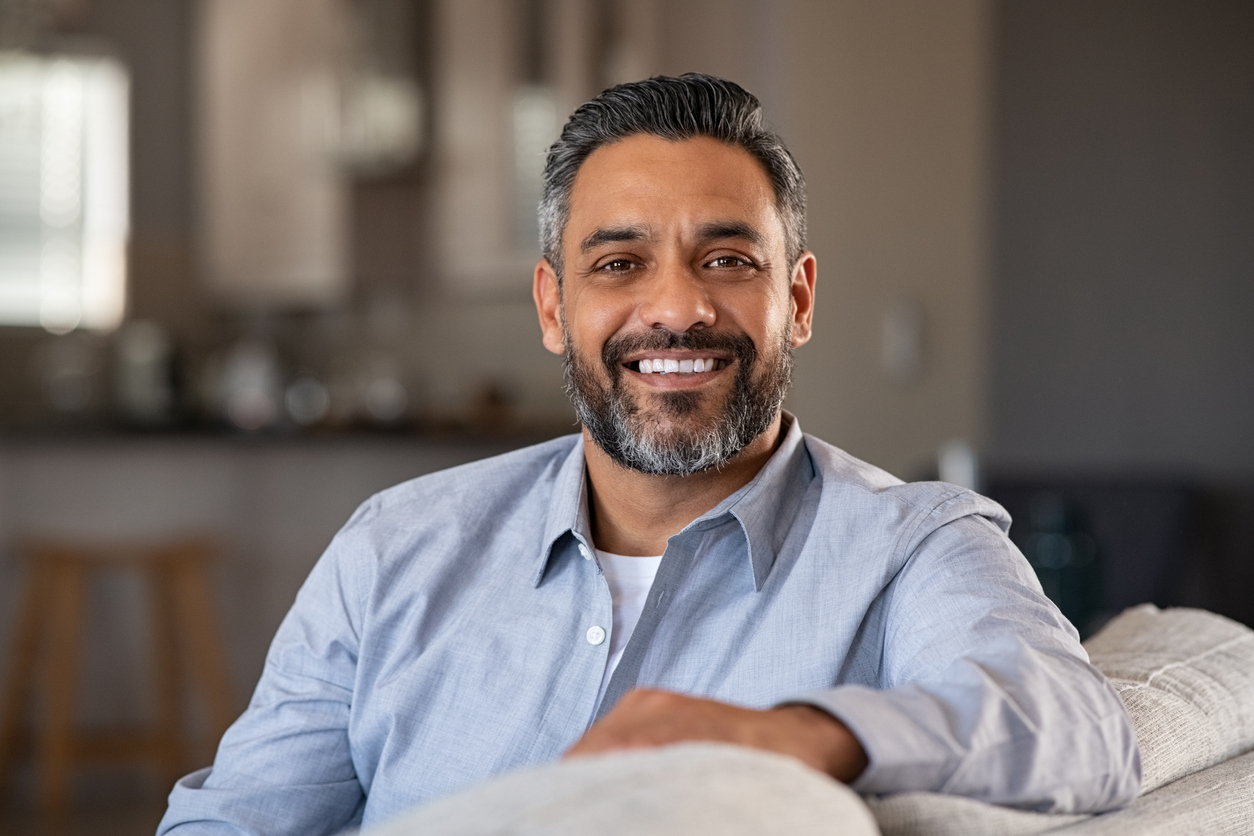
x=568 y=507
x=764 y=508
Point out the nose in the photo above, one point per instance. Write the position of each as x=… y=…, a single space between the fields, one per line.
x=676 y=299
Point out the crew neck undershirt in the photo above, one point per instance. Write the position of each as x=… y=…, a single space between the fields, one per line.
x=629 y=579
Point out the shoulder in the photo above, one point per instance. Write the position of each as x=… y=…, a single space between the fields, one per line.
x=443 y=512
x=441 y=530
x=502 y=478
x=867 y=496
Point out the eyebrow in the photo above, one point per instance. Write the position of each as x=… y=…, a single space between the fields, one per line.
x=716 y=231
x=720 y=230
x=614 y=235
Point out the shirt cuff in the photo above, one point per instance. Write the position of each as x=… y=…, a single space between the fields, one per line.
x=902 y=732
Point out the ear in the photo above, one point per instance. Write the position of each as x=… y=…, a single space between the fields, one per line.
x=802 y=289
x=548 y=295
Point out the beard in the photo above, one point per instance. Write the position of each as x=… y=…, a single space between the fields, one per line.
x=675 y=438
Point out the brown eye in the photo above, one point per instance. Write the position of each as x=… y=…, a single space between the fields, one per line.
x=729 y=261
x=617 y=265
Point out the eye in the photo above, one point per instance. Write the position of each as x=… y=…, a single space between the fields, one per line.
x=726 y=261
x=616 y=265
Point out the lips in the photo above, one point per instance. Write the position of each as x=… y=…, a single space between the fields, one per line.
x=669 y=353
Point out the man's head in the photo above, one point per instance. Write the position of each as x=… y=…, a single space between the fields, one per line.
x=683 y=286
x=681 y=108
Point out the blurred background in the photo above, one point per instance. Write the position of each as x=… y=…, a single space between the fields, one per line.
x=261 y=259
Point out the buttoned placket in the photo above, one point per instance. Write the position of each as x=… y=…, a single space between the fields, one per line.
x=599 y=618
x=677 y=560
x=573 y=699
x=596 y=634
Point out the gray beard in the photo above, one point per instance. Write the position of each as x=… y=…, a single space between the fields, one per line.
x=628 y=435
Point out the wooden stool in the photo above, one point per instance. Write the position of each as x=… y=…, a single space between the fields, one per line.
x=52 y=616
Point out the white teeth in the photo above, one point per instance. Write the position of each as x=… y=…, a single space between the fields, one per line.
x=667 y=366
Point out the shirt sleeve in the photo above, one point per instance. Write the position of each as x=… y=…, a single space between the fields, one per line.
x=985 y=690
x=285 y=766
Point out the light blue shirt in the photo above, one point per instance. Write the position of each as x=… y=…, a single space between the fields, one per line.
x=446 y=636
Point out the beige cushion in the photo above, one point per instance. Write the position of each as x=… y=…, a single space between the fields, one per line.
x=1218 y=801
x=671 y=791
x=1187 y=678
x=932 y=814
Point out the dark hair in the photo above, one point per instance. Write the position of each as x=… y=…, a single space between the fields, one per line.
x=681 y=108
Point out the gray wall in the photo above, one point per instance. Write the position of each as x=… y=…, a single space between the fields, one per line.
x=885 y=104
x=1123 y=309
x=154 y=38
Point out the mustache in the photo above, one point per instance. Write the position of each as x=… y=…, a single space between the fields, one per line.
x=739 y=346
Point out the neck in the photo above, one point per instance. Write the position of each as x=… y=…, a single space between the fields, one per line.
x=634 y=513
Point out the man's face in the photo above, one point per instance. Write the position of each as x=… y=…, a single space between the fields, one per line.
x=677 y=314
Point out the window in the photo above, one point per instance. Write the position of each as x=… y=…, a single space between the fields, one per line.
x=63 y=191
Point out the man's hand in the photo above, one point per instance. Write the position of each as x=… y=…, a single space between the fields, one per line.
x=644 y=718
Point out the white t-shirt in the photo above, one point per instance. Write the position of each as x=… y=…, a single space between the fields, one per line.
x=629 y=579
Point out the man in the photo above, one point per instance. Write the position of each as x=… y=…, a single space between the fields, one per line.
x=690 y=567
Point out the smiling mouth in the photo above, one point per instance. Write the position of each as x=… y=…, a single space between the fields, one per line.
x=666 y=365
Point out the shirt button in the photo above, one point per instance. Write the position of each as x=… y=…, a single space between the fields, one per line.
x=595 y=635
x=587 y=555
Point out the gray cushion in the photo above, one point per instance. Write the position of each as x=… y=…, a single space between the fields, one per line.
x=670 y=791
x=932 y=814
x=1187 y=678
x=1218 y=801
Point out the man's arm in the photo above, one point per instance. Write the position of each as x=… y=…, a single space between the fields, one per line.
x=285 y=766
x=985 y=692
x=645 y=718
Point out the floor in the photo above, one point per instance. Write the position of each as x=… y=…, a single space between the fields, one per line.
x=125 y=802
x=110 y=820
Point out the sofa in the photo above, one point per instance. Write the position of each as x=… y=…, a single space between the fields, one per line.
x=1186 y=677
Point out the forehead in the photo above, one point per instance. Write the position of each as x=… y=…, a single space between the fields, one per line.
x=659 y=183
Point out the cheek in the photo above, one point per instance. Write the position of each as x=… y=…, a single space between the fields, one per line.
x=593 y=318
x=764 y=317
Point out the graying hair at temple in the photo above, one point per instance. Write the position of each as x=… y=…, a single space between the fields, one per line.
x=689 y=106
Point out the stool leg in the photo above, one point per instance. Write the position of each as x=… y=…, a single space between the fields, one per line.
x=193 y=602
x=22 y=668
x=168 y=736
x=65 y=617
